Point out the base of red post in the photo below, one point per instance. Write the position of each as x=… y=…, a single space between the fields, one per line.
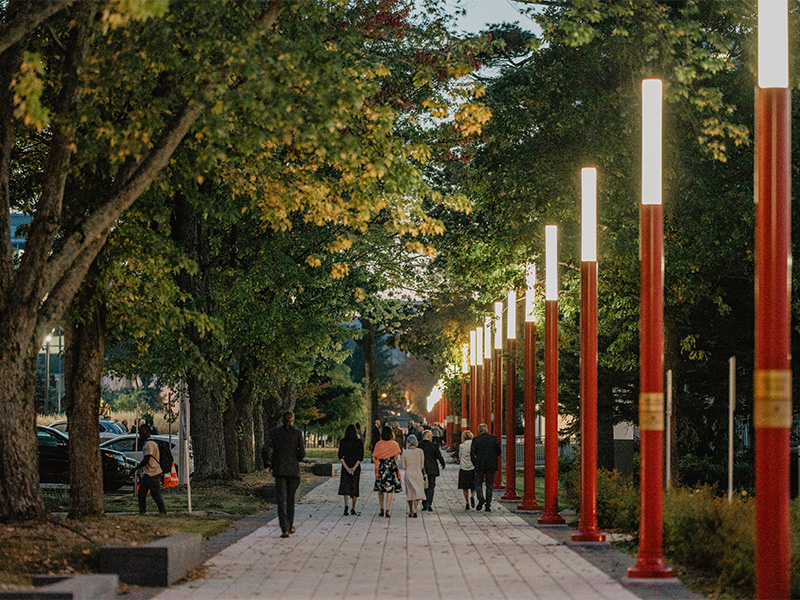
x=589 y=536
x=551 y=519
x=528 y=505
x=650 y=569
x=510 y=495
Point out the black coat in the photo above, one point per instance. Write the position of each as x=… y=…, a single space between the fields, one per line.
x=376 y=437
x=283 y=450
x=484 y=452
x=432 y=456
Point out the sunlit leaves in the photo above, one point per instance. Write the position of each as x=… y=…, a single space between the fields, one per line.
x=28 y=86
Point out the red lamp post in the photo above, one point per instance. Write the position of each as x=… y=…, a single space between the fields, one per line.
x=772 y=406
x=475 y=401
x=487 y=372
x=511 y=376
x=650 y=562
x=465 y=366
x=529 y=411
x=587 y=526
x=497 y=413
x=550 y=516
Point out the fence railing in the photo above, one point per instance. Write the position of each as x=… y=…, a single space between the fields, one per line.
x=564 y=450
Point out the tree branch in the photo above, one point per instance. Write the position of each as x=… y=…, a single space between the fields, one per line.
x=27 y=20
x=57 y=302
x=48 y=207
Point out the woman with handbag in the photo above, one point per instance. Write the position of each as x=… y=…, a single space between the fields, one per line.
x=413 y=462
x=387 y=475
x=466 y=471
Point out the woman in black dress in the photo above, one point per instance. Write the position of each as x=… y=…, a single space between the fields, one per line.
x=351 y=453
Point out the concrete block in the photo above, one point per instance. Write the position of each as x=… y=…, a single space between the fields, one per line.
x=325 y=469
x=67 y=587
x=157 y=564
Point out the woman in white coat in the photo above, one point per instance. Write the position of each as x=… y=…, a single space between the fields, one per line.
x=413 y=462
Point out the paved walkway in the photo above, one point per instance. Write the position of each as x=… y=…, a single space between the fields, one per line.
x=447 y=553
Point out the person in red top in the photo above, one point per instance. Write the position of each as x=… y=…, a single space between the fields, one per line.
x=387 y=474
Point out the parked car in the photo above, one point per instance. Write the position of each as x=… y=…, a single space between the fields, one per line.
x=129 y=445
x=108 y=429
x=54 y=461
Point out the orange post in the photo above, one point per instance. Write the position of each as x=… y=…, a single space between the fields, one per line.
x=529 y=411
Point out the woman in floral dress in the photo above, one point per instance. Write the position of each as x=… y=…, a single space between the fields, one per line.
x=387 y=474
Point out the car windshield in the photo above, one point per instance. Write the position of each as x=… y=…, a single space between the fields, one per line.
x=111 y=427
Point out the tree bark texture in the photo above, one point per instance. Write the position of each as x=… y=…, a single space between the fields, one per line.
x=258 y=429
x=367 y=343
x=20 y=494
x=83 y=371
x=230 y=420
x=244 y=398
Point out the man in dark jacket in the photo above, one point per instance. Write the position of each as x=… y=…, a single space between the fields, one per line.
x=376 y=434
x=283 y=450
x=484 y=452
x=433 y=457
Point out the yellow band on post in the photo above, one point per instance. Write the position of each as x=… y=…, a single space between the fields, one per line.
x=651 y=411
x=772 y=406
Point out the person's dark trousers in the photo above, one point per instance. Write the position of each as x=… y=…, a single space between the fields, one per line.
x=429 y=492
x=484 y=477
x=154 y=485
x=285 y=489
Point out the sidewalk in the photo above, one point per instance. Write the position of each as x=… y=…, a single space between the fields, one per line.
x=447 y=553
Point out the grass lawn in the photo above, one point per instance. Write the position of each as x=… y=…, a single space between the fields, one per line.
x=61 y=545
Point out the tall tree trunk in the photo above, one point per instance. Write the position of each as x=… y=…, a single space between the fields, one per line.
x=244 y=398
x=208 y=432
x=605 y=428
x=258 y=429
x=367 y=343
x=20 y=494
x=230 y=419
x=672 y=360
x=83 y=372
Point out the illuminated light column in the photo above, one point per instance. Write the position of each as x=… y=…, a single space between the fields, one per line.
x=473 y=380
x=550 y=515
x=487 y=372
x=465 y=366
x=529 y=411
x=587 y=526
x=772 y=405
x=511 y=421
x=650 y=562
x=497 y=410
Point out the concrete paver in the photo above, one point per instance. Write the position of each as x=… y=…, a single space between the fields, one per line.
x=447 y=553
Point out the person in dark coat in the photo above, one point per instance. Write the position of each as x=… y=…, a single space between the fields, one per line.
x=484 y=452
x=283 y=450
x=433 y=458
x=376 y=434
x=351 y=453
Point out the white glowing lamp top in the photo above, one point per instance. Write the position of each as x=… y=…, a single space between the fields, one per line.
x=511 y=332
x=773 y=43
x=465 y=359
x=551 y=262
x=487 y=338
x=589 y=214
x=473 y=344
x=498 y=325
x=652 y=91
x=530 y=277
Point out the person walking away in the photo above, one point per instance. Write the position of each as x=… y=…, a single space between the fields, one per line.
x=413 y=463
x=376 y=434
x=387 y=474
x=433 y=458
x=466 y=470
x=152 y=474
x=283 y=450
x=484 y=452
x=437 y=435
x=351 y=453
x=399 y=437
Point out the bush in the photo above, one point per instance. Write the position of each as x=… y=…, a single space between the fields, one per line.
x=617 y=499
